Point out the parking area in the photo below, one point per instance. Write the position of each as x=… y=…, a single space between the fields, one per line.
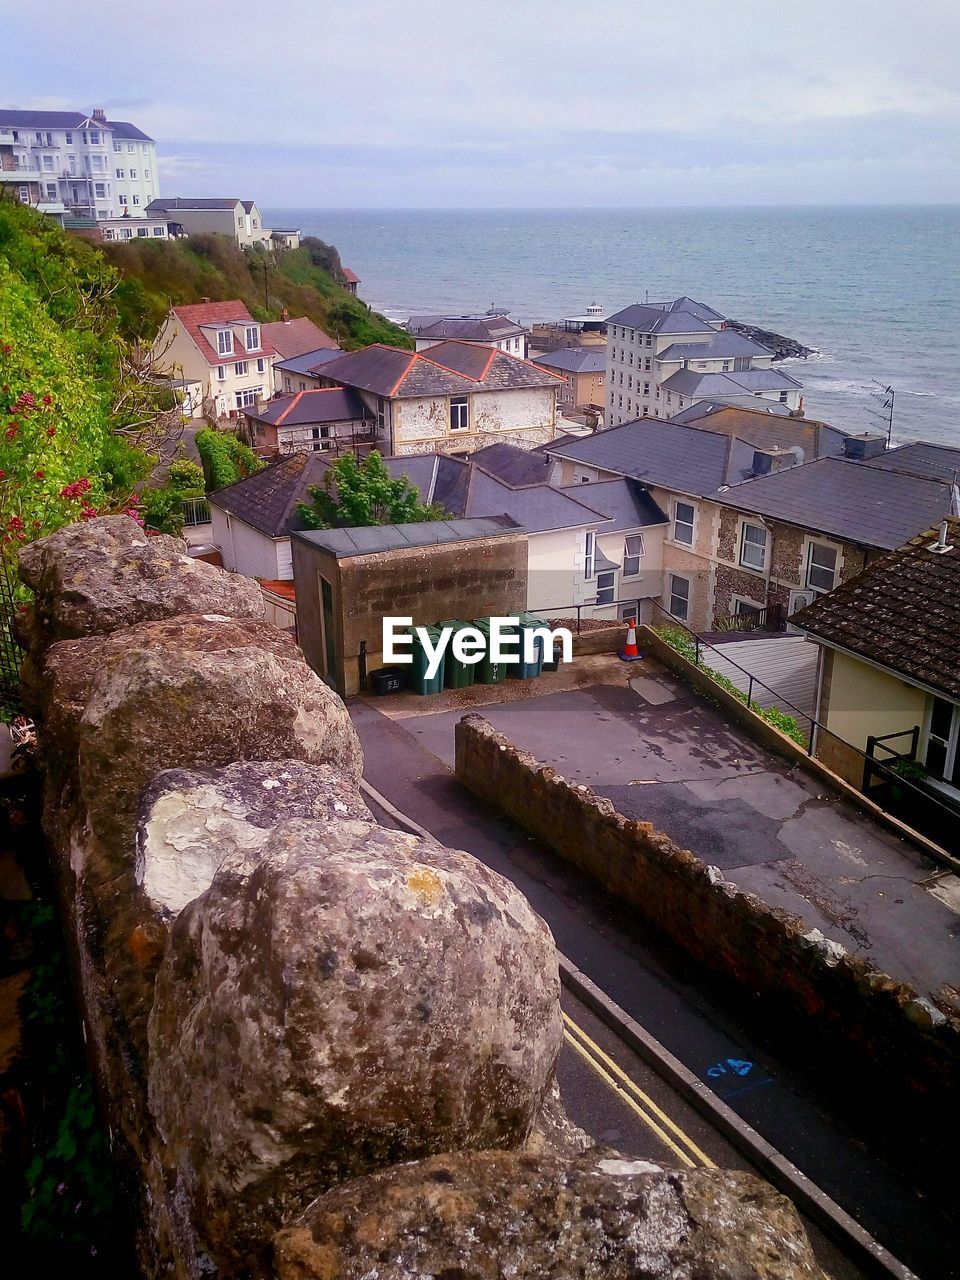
x=664 y=755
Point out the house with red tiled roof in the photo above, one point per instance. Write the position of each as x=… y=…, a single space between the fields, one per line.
x=218 y=357
x=452 y=398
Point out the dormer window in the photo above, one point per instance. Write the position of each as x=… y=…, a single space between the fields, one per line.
x=224 y=342
x=253 y=337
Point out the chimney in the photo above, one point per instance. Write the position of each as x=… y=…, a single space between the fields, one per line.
x=99 y=114
x=204 y=299
x=285 y=315
x=864 y=446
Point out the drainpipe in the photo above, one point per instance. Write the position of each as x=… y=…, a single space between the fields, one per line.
x=362 y=663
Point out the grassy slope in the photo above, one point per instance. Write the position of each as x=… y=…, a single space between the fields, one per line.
x=306 y=281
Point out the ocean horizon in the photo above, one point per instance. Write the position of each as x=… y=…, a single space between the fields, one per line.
x=874 y=289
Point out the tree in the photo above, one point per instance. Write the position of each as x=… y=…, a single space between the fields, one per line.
x=355 y=494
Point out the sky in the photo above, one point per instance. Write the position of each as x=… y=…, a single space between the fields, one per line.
x=514 y=103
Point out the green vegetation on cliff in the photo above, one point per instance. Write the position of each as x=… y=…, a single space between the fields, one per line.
x=307 y=281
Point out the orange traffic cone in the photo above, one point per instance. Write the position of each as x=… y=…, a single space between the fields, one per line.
x=630 y=652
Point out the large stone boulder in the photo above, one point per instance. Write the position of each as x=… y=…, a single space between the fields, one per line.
x=486 y=1215
x=348 y=998
x=92 y=578
x=192 y=821
x=188 y=692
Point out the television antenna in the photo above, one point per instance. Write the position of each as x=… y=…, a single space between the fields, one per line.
x=884 y=398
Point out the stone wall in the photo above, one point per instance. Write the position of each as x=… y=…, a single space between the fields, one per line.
x=291 y=1011
x=880 y=1026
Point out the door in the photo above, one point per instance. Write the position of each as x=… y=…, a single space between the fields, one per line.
x=798 y=600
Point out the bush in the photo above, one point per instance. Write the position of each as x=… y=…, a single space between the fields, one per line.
x=225 y=457
x=186 y=477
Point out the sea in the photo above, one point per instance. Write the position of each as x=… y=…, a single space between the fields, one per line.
x=875 y=290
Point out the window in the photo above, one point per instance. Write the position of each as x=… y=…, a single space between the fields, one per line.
x=68 y=138
x=646 y=364
x=821 y=567
x=126 y=234
x=459 y=414
x=753 y=546
x=51 y=191
x=252 y=337
x=117 y=146
x=48 y=164
x=683 y=516
x=649 y=341
x=589 y=553
x=726 y=366
x=783 y=397
x=248 y=397
x=121 y=173
x=95 y=137
x=123 y=200
x=679 y=597
x=224 y=342
x=136 y=199
x=606 y=587
x=241 y=368
x=646 y=388
x=629 y=612
x=221 y=373
x=942 y=756
x=261 y=365
x=100 y=192
x=158 y=231
x=133 y=173
x=632 y=551
x=143 y=231
x=146 y=175
x=131 y=148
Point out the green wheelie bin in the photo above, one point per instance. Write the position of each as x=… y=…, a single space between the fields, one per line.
x=419 y=682
x=528 y=670
x=487 y=672
x=456 y=674
x=551 y=661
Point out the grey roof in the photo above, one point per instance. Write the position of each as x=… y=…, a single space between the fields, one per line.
x=67 y=120
x=465 y=328
x=450 y=368
x=683 y=315
x=626 y=501
x=304 y=408
x=704 y=408
x=170 y=204
x=309 y=362
x=124 y=129
x=437 y=477
x=846 y=500
x=922 y=458
x=512 y=464
x=688 y=382
x=660 y=452
x=342 y=543
x=574 y=359
x=267 y=501
x=724 y=343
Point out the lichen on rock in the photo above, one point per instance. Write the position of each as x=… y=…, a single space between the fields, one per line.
x=486 y=1215
x=349 y=998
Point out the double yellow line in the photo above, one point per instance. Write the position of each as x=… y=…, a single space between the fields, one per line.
x=640 y=1103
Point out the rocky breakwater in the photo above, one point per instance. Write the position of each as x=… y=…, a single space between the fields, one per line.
x=783 y=348
x=301 y=1022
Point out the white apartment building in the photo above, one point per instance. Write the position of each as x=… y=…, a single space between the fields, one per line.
x=97 y=168
x=494 y=329
x=663 y=357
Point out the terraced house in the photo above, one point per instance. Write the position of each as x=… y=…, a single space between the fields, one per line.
x=452 y=398
x=765 y=512
x=663 y=357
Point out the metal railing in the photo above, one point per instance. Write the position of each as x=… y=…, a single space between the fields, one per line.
x=195 y=511
x=772 y=617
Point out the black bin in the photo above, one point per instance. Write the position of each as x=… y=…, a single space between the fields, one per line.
x=388 y=680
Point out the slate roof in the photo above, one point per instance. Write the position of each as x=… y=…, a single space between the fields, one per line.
x=626 y=501
x=305 y=408
x=690 y=382
x=267 y=500
x=69 y=120
x=512 y=464
x=661 y=452
x=170 y=204
x=845 y=500
x=574 y=359
x=465 y=328
x=297 y=337
x=449 y=368
x=726 y=343
x=683 y=315
x=124 y=129
x=703 y=408
x=309 y=362
x=772 y=431
x=922 y=458
x=902 y=611
x=392 y=537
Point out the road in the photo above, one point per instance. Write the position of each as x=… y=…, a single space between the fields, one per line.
x=665 y=994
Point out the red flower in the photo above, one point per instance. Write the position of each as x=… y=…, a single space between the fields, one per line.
x=11 y=433
x=7 y=348
x=38 y=524
x=48 y=400
x=14 y=523
x=51 y=431
x=3 y=475
x=88 y=513
x=38 y=475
